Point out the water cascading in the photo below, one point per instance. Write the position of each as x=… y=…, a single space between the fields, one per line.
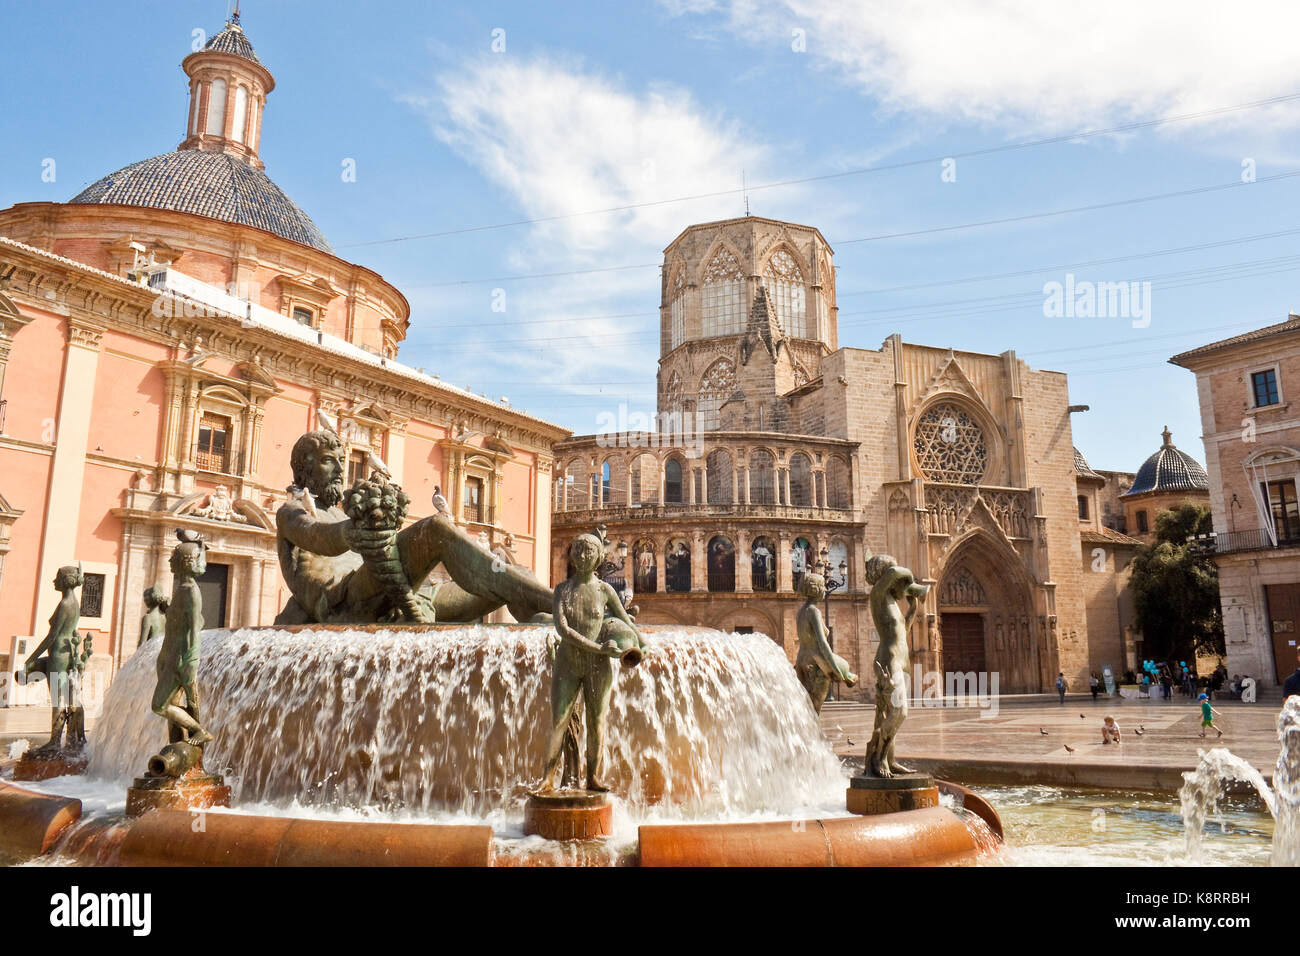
x=1205 y=786
x=455 y=719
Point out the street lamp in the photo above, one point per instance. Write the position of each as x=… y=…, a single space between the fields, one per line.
x=824 y=567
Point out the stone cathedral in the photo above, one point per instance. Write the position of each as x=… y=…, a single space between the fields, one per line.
x=779 y=453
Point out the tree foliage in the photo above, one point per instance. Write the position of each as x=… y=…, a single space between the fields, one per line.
x=1176 y=588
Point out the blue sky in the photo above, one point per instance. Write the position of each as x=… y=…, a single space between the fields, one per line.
x=597 y=105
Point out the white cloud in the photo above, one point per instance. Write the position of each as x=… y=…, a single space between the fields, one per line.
x=562 y=139
x=559 y=137
x=1036 y=64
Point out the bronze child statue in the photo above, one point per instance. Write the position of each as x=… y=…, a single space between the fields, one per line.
x=178 y=658
x=594 y=629
x=56 y=657
x=890 y=584
x=817 y=665
x=154 y=619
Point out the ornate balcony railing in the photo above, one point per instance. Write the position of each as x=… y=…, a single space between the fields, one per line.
x=1257 y=539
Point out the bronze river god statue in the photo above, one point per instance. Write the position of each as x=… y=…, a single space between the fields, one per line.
x=350 y=570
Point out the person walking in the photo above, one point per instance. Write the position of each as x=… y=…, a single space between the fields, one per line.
x=1207 y=715
x=1060 y=686
x=1094 y=685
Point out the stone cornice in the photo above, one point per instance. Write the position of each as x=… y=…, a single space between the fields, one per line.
x=55 y=283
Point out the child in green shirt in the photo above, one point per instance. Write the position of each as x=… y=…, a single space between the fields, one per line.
x=1207 y=715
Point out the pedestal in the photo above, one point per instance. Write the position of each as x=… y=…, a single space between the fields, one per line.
x=196 y=790
x=871 y=795
x=569 y=815
x=38 y=766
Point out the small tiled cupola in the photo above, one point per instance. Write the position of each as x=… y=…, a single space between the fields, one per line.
x=228 y=88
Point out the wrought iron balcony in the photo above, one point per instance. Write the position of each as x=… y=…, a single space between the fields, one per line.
x=1257 y=539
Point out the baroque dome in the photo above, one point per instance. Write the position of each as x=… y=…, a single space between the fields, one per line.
x=212 y=184
x=1169 y=470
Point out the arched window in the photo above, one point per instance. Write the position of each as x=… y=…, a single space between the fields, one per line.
x=645 y=481
x=800 y=480
x=950 y=445
x=787 y=294
x=716 y=386
x=576 y=484
x=721 y=473
x=673 y=482
x=677 y=332
x=677 y=565
x=838 y=493
x=722 y=564
x=762 y=562
x=645 y=570
x=837 y=556
x=241 y=113
x=605 y=485
x=802 y=560
x=762 y=478
x=216 y=124
x=723 y=299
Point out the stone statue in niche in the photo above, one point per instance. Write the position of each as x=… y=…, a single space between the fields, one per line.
x=817 y=665
x=891 y=586
x=344 y=569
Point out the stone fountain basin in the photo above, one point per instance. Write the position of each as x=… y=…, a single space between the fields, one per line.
x=32 y=824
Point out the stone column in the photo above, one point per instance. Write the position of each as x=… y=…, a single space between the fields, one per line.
x=784 y=574
x=663 y=479
x=746 y=472
x=704 y=485
x=744 y=566
x=68 y=465
x=627 y=502
x=692 y=478
x=699 y=563
x=252 y=593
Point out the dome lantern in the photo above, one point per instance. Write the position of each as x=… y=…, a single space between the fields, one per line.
x=228 y=89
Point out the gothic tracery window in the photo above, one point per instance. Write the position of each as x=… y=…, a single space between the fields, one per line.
x=673 y=395
x=716 y=386
x=785 y=290
x=678 y=309
x=950 y=446
x=723 y=299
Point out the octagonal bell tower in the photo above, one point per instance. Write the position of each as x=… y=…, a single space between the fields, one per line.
x=746 y=314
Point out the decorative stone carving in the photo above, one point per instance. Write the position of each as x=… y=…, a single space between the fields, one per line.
x=962 y=589
x=950 y=446
x=220 y=507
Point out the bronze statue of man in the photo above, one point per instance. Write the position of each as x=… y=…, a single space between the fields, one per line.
x=56 y=657
x=178 y=658
x=817 y=665
x=320 y=550
x=890 y=585
x=588 y=615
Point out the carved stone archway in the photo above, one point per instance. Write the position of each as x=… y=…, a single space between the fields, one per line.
x=983 y=579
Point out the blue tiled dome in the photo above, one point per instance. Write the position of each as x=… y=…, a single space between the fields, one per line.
x=1170 y=470
x=209 y=184
x=232 y=40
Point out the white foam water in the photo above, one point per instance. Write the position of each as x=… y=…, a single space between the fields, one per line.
x=1205 y=786
x=454 y=719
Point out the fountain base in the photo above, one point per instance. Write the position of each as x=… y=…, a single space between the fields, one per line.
x=38 y=766
x=569 y=815
x=867 y=796
x=196 y=790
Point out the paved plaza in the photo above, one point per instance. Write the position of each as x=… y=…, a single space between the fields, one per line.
x=1004 y=744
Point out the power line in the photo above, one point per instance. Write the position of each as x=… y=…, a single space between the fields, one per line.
x=904 y=164
x=1025 y=217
